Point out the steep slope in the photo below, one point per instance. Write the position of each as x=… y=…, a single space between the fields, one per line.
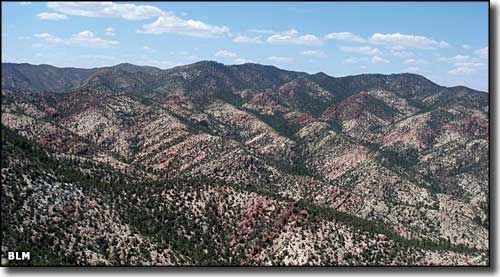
x=121 y=222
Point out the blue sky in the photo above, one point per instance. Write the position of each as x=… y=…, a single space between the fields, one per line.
x=446 y=42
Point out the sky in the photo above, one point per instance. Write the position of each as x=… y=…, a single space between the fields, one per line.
x=446 y=42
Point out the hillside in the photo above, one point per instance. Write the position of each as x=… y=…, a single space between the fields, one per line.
x=208 y=164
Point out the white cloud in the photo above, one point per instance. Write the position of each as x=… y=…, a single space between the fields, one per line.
x=464 y=64
x=411 y=69
x=235 y=58
x=354 y=60
x=98 y=57
x=345 y=36
x=261 y=31
x=245 y=39
x=466 y=47
x=88 y=39
x=363 y=50
x=51 y=16
x=148 y=49
x=167 y=22
x=292 y=37
x=457 y=58
x=280 y=59
x=106 y=10
x=415 y=61
x=395 y=41
x=313 y=53
x=469 y=64
x=241 y=60
x=401 y=41
x=377 y=59
x=396 y=53
x=84 y=38
x=24 y=3
x=462 y=71
x=48 y=38
x=23 y=37
x=363 y=66
x=110 y=31
x=148 y=61
x=225 y=54
x=482 y=53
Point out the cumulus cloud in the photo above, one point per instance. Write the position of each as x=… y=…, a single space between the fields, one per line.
x=373 y=60
x=225 y=54
x=457 y=58
x=280 y=59
x=261 y=31
x=48 y=38
x=84 y=39
x=345 y=36
x=106 y=10
x=415 y=61
x=377 y=59
x=51 y=16
x=110 y=31
x=402 y=41
x=394 y=41
x=462 y=71
x=235 y=58
x=167 y=22
x=396 y=53
x=148 y=61
x=464 y=64
x=292 y=37
x=245 y=39
x=363 y=50
x=87 y=38
x=354 y=60
x=469 y=64
x=242 y=60
x=466 y=47
x=148 y=49
x=313 y=53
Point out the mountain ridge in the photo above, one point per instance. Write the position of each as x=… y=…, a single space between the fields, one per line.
x=23 y=69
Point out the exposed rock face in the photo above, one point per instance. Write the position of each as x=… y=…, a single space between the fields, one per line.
x=207 y=164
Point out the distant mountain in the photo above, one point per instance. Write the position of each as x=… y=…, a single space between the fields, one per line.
x=245 y=76
x=42 y=77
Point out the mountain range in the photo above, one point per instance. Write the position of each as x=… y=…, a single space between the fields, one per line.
x=213 y=164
